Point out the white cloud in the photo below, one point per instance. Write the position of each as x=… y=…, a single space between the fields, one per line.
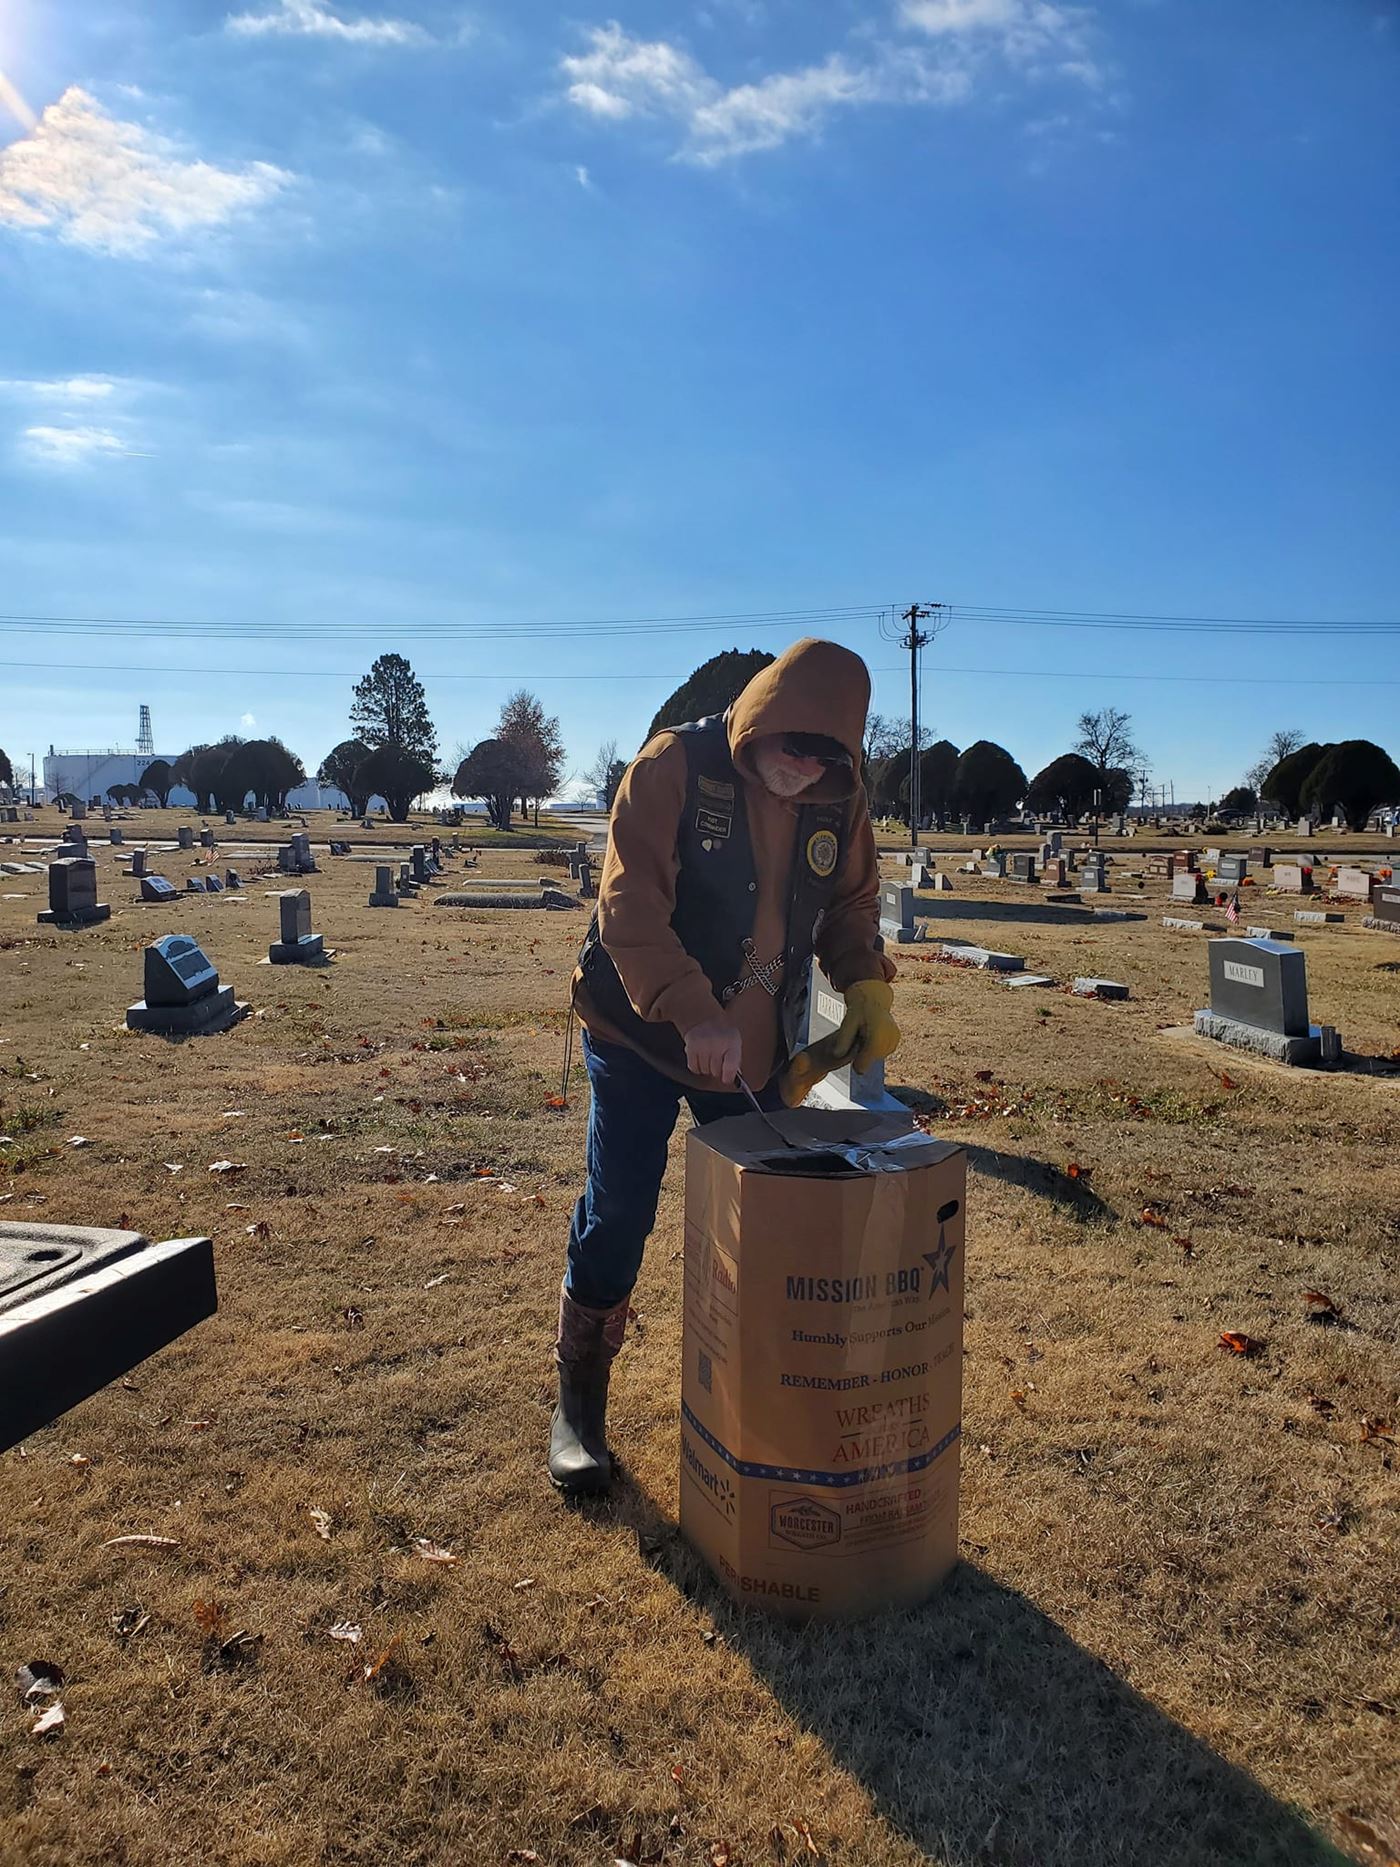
x=619 y=77
x=313 y=19
x=62 y=388
x=116 y=187
x=582 y=176
x=74 y=447
x=1037 y=35
x=246 y=719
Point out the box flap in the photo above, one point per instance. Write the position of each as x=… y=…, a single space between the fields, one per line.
x=749 y=1141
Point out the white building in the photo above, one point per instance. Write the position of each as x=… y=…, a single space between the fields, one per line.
x=92 y=773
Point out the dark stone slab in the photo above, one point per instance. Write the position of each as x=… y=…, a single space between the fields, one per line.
x=1385 y=906
x=178 y=971
x=73 y=894
x=201 y=1019
x=303 y=952
x=1304 y=1050
x=80 y=1306
x=157 y=888
x=1262 y=983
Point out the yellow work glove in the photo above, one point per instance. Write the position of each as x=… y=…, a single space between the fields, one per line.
x=867 y=1034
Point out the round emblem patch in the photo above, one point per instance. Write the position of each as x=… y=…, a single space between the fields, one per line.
x=821 y=853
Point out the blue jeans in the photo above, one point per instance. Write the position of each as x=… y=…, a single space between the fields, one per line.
x=629 y=1124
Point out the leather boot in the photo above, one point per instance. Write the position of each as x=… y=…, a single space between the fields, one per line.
x=579 y=1463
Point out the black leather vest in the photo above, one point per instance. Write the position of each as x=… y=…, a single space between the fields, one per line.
x=716 y=890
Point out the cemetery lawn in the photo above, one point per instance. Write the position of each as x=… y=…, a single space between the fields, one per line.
x=379 y=1637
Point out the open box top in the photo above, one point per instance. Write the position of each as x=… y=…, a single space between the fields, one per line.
x=749 y=1141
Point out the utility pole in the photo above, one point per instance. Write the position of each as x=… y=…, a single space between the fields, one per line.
x=914 y=640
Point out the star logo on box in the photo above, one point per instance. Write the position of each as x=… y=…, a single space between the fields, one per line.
x=940 y=1263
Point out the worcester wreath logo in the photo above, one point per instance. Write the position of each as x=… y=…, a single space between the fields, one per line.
x=821 y=852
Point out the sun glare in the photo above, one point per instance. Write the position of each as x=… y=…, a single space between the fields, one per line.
x=11 y=101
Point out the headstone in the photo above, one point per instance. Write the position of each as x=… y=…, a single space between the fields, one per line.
x=206 y=839
x=1054 y=873
x=1259 y=1000
x=1268 y=933
x=1188 y=887
x=940 y=883
x=406 y=884
x=212 y=885
x=1164 y=866
x=1353 y=884
x=73 y=895
x=116 y=838
x=897 y=913
x=229 y=817
x=156 y=888
x=79 y=810
x=995 y=868
x=262 y=813
x=919 y=876
x=1022 y=867
x=1185 y=859
x=184 y=836
x=1231 y=870
x=1100 y=988
x=586 y=890
x=138 y=863
x=845 y=1088
x=419 y=858
x=1092 y=880
x=183 y=994
x=297 y=945
x=1292 y=878
x=1312 y=917
x=366 y=823
x=1305 y=826
x=1029 y=978
x=1385 y=908
x=1182 y=926
x=986 y=959
x=232 y=879
x=1261 y=857
x=383 y=896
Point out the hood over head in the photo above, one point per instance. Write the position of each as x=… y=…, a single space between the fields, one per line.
x=813 y=687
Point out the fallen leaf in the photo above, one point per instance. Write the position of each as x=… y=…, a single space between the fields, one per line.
x=49 y=1723
x=719 y=1855
x=346 y=1630
x=1372 y=1429
x=1321 y=1308
x=1239 y=1344
x=556 y=1102
x=677 y=1773
x=1150 y=1216
x=140 y=1542
x=1227 y=1081
x=258 y=1229
x=210 y=1615
x=38 y=1680
x=1075 y=1172
x=430 y=1552
x=321 y=1519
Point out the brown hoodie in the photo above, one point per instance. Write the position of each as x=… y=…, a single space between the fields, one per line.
x=814 y=687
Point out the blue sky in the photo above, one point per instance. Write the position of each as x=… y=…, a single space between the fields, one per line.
x=375 y=326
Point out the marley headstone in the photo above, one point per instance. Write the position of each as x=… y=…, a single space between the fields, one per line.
x=73 y=895
x=383 y=896
x=183 y=994
x=1259 y=1000
x=846 y=1088
x=298 y=946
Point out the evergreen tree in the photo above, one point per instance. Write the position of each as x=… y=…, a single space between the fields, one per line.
x=391 y=709
x=714 y=684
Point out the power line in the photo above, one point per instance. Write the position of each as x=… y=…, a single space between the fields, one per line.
x=1000 y=673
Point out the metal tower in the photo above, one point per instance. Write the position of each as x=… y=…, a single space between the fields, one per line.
x=145 y=742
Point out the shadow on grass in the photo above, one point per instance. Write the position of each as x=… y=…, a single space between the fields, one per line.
x=1034 y=1176
x=987 y=1737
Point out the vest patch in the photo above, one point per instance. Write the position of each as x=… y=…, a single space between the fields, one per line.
x=711 y=787
x=711 y=823
x=821 y=853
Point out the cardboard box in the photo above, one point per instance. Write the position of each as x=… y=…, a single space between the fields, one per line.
x=821 y=1392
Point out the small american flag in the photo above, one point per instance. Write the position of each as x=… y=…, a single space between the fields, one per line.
x=1232 y=908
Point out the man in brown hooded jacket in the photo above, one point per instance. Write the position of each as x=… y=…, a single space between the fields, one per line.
x=739 y=847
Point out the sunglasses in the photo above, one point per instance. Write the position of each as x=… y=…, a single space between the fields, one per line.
x=816 y=745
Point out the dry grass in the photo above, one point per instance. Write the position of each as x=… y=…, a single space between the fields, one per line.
x=1173 y=1638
